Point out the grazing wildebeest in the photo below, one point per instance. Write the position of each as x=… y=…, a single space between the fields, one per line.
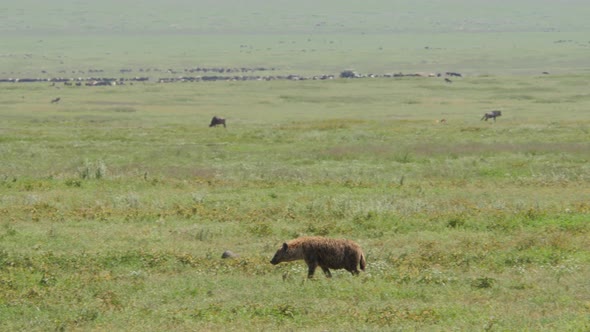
x=323 y=252
x=448 y=80
x=217 y=121
x=491 y=115
x=56 y=100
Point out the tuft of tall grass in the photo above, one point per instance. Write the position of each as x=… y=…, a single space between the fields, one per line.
x=92 y=170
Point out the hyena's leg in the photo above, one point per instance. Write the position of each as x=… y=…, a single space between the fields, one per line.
x=311 y=268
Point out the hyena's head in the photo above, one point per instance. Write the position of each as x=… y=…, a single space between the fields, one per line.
x=285 y=254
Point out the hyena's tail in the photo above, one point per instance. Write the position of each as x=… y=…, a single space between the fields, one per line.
x=363 y=262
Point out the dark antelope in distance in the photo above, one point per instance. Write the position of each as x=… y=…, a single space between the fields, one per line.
x=217 y=121
x=56 y=100
x=491 y=115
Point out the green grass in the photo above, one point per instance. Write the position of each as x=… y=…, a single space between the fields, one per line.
x=118 y=202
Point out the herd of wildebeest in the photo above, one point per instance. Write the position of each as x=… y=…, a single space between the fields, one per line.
x=206 y=75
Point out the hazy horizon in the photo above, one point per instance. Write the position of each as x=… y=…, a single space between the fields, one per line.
x=503 y=36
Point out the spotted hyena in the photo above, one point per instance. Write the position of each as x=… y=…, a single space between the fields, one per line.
x=323 y=252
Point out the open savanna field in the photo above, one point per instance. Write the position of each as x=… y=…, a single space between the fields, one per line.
x=118 y=201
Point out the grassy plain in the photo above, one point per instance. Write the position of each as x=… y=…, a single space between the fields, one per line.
x=117 y=203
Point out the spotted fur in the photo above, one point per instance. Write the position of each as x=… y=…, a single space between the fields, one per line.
x=323 y=252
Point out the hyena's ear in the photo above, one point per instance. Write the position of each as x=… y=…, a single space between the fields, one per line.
x=285 y=246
